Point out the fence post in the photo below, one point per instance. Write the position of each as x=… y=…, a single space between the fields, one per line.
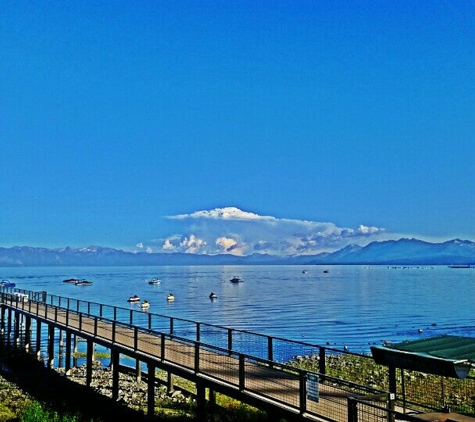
x=241 y=372
x=197 y=357
x=352 y=410
x=198 y=331
x=230 y=339
x=303 y=392
x=270 y=350
x=322 y=361
x=162 y=346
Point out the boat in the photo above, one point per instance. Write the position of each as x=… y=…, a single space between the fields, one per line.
x=145 y=305
x=71 y=280
x=154 y=281
x=236 y=280
x=133 y=299
x=83 y=283
x=170 y=297
x=460 y=266
x=213 y=295
x=6 y=283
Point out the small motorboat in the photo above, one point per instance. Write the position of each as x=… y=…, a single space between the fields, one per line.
x=83 y=283
x=133 y=299
x=6 y=283
x=170 y=297
x=213 y=295
x=71 y=280
x=144 y=305
x=236 y=280
x=154 y=281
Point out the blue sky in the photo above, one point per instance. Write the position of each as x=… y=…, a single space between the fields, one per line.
x=236 y=126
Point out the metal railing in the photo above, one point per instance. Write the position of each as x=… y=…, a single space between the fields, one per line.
x=413 y=390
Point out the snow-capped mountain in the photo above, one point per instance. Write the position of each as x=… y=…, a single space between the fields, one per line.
x=391 y=252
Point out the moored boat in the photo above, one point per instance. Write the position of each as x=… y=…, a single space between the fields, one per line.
x=133 y=299
x=145 y=305
x=213 y=295
x=6 y=283
x=170 y=297
x=83 y=283
x=236 y=280
x=154 y=281
x=71 y=280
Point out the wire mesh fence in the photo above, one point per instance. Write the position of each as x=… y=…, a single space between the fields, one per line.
x=414 y=390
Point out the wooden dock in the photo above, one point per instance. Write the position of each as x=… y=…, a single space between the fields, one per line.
x=279 y=389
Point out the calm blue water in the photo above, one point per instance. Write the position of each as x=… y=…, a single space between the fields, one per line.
x=350 y=305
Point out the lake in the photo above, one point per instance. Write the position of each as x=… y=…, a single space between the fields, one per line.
x=353 y=306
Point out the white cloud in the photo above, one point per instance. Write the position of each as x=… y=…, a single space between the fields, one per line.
x=234 y=231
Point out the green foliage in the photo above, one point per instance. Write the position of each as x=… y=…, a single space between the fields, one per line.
x=35 y=412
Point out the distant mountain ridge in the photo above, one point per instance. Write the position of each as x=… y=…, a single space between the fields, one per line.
x=391 y=252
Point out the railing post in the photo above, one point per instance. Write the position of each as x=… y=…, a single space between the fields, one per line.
x=67 y=317
x=162 y=346
x=115 y=313
x=171 y=326
x=303 y=391
x=113 y=331
x=322 y=362
x=136 y=338
x=230 y=339
x=149 y=321
x=89 y=308
x=95 y=326
x=80 y=322
x=270 y=351
x=198 y=331
x=100 y=310
x=131 y=317
x=352 y=410
x=242 y=372
x=392 y=379
x=197 y=357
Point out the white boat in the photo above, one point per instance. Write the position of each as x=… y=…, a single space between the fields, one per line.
x=133 y=299
x=145 y=305
x=154 y=281
x=170 y=297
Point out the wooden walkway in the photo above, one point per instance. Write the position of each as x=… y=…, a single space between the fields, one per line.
x=276 y=388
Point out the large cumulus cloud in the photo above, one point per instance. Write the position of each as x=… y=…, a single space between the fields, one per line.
x=234 y=231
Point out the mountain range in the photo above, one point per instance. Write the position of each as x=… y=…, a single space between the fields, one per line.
x=391 y=252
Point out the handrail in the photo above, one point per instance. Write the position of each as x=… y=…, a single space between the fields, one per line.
x=288 y=389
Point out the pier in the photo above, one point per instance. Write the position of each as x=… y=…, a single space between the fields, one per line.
x=185 y=349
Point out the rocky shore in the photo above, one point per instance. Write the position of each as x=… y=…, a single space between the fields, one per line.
x=132 y=392
x=23 y=380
